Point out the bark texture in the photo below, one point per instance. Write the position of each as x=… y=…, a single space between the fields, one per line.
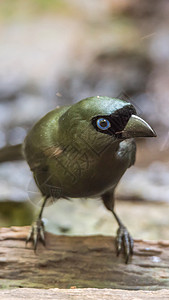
x=80 y=262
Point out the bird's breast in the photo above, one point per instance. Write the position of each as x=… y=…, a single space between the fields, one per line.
x=82 y=174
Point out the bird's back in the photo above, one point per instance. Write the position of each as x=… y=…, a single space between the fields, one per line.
x=40 y=138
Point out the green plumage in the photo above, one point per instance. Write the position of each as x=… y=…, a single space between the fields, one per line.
x=82 y=151
x=90 y=162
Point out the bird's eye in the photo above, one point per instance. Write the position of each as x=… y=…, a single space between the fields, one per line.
x=103 y=124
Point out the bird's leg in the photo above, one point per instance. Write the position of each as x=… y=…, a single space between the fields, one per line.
x=37 y=230
x=123 y=239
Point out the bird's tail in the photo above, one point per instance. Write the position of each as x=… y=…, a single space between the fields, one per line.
x=11 y=153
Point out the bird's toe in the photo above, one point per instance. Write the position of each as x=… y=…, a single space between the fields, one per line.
x=36 y=234
x=124 y=241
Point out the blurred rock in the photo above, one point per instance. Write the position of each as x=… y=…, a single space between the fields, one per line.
x=14 y=179
x=89 y=216
x=149 y=184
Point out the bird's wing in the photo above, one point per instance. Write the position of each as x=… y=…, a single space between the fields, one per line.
x=40 y=161
x=41 y=171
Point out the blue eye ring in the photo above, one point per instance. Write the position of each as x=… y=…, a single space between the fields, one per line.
x=103 y=120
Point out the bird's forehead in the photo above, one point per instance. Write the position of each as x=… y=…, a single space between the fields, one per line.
x=94 y=106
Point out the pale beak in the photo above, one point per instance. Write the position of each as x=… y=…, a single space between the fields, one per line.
x=136 y=127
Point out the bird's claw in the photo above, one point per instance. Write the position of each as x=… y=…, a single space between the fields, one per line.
x=37 y=233
x=125 y=241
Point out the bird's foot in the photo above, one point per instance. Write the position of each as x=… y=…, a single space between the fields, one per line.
x=36 y=234
x=124 y=241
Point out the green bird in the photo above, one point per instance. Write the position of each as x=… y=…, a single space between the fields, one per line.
x=83 y=150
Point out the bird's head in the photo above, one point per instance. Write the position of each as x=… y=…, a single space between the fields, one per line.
x=104 y=120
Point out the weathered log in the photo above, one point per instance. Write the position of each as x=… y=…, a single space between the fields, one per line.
x=81 y=262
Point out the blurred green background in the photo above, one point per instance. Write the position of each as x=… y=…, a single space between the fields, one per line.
x=58 y=52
